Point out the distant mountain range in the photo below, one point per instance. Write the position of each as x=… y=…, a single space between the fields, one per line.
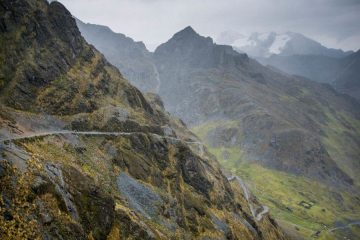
x=263 y=45
x=342 y=73
x=294 y=53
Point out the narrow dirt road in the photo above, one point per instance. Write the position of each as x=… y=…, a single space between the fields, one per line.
x=49 y=133
x=257 y=216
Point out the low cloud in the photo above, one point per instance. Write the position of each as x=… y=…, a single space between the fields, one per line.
x=334 y=23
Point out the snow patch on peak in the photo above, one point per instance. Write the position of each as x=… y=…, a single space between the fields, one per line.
x=279 y=43
x=243 y=41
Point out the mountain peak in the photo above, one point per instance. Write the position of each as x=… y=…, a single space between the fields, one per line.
x=188 y=29
x=186 y=32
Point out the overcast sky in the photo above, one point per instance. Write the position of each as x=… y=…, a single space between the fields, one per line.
x=334 y=23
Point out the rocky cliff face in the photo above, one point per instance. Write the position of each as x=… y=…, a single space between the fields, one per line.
x=84 y=155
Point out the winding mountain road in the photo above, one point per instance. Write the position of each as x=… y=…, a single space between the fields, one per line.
x=62 y=132
x=257 y=216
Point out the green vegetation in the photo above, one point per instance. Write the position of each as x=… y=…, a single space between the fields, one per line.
x=339 y=141
x=302 y=205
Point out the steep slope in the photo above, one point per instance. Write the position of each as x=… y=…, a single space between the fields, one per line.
x=296 y=54
x=250 y=116
x=130 y=57
x=84 y=155
x=213 y=82
x=321 y=69
x=342 y=73
x=347 y=79
x=245 y=112
x=263 y=45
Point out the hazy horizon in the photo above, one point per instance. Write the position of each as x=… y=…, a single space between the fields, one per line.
x=332 y=23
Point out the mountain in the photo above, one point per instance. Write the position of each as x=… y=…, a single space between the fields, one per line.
x=85 y=155
x=284 y=135
x=283 y=44
x=293 y=53
x=341 y=73
x=319 y=68
x=347 y=79
x=214 y=82
x=291 y=134
x=130 y=57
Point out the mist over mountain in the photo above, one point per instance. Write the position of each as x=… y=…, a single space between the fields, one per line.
x=341 y=73
x=347 y=78
x=130 y=57
x=296 y=54
x=263 y=45
x=204 y=82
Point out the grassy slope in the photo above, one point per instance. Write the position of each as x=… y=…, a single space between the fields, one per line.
x=283 y=192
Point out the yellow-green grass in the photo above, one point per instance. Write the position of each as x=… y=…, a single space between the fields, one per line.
x=283 y=192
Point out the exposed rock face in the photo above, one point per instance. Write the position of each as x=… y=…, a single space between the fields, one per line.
x=203 y=82
x=149 y=182
x=48 y=63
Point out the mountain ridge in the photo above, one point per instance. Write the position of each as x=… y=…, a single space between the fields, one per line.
x=134 y=61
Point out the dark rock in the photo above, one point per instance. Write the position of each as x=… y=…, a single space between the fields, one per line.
x=2 y=171
x=220 y=225
x=131 y=229
x=141 y=198
x=8 y=216
x=193 y=172
x=94 y=207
